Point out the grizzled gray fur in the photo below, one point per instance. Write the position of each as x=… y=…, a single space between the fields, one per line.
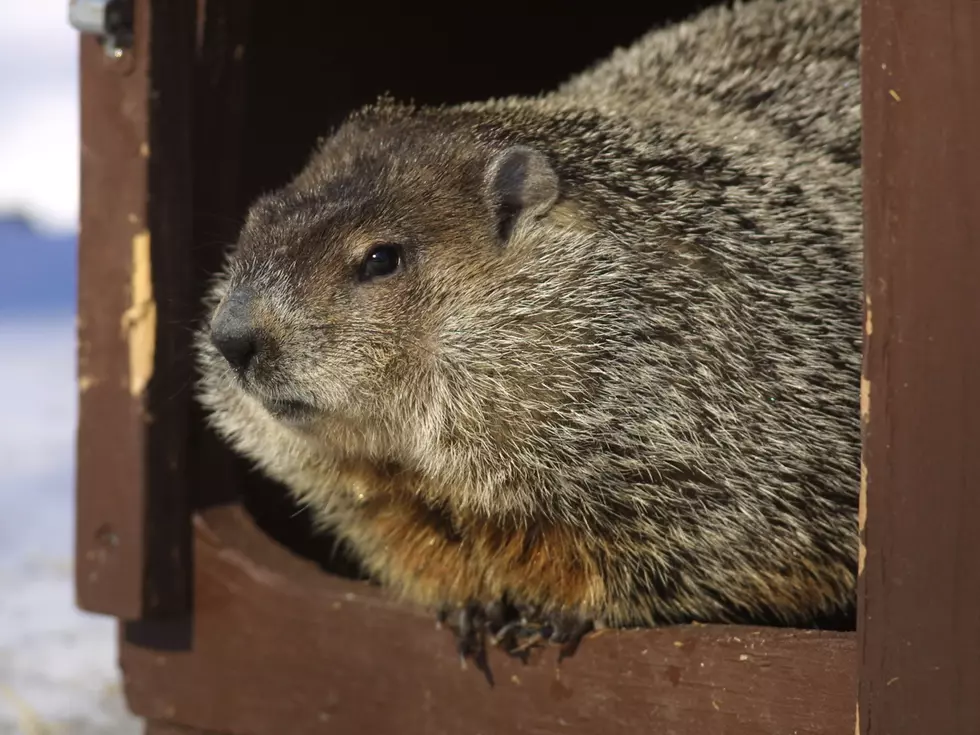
x=586 y=358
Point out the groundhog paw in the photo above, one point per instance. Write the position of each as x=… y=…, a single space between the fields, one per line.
x=534 y=628
x=514 y=629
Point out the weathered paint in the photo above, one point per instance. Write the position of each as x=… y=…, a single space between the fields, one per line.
x=139 y=322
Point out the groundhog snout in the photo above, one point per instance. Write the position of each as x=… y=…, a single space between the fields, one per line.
x=236 y=332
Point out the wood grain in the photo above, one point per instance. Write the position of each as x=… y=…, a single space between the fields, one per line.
x=920 y=587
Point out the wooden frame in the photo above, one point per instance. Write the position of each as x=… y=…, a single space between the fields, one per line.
x=224 y=630
x=920 y=586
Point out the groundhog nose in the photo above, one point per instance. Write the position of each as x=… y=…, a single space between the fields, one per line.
x=233 y=330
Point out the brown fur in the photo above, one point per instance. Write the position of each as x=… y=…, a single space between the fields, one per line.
x=617 y=373
x=431 y=559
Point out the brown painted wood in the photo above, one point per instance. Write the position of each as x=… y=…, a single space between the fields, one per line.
x=920 y=586
x=166 y=728
x=135 y=305
x=278 y=646
x=110 y=500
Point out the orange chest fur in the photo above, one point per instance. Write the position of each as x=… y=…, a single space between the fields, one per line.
x=433 y=554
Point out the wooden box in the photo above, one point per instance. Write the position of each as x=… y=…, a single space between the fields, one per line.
x=235 y=619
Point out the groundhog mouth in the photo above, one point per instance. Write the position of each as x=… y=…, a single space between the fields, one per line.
x=289 y=410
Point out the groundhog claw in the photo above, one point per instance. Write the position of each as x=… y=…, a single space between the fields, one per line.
x=468 y=625
x=515 y=630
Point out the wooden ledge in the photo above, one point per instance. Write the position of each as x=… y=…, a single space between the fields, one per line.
x=275 y=645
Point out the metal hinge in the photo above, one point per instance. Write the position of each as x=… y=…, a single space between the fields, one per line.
x=110 y=20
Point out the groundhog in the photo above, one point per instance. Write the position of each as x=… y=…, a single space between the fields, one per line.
x=584 y=359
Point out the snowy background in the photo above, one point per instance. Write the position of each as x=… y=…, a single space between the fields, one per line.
x=57 y=665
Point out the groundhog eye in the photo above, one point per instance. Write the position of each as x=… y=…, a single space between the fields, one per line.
x=381 y=260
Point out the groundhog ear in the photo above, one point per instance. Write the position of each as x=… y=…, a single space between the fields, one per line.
x=520 y=182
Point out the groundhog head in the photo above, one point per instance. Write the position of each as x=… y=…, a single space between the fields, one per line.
x=413 y=297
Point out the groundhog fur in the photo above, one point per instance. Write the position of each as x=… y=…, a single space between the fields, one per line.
x=585 y=359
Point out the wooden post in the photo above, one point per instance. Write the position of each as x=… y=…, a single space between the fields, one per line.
x=132 y=528
x=920 y=583
x=109 y=532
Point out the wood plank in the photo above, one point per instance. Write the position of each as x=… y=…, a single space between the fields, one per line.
x=110 y=502
x=278 y=646
x=920 y=585
x=135 y=310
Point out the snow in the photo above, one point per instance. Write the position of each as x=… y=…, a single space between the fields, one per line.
x=58 y=670
x=57 y=665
